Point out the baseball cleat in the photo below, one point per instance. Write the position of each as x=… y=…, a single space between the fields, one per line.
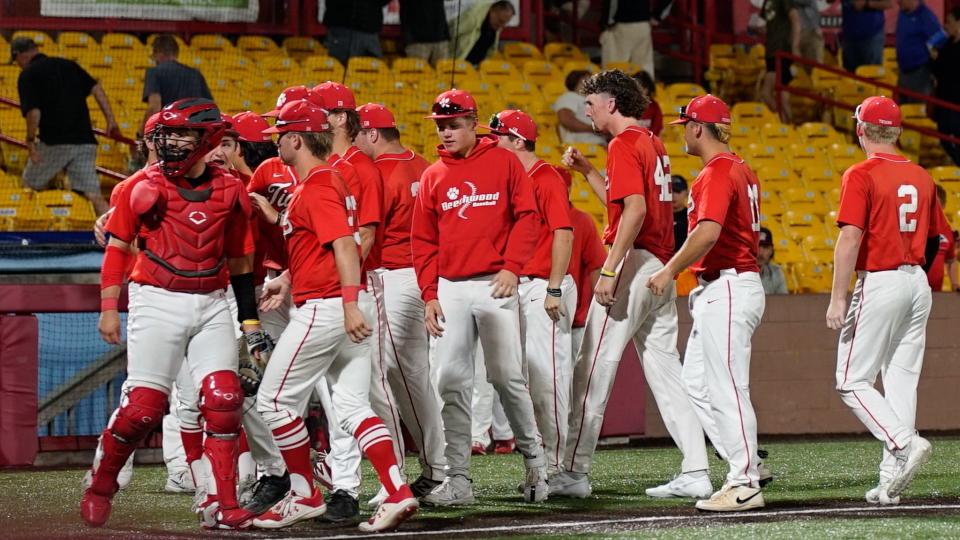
x=396 y=509
x=696 y=486
x=535 y=488
x=478 y=449
x=378 y=499
x=206 y=507
x=504 y=447
x=268 y=491
x=342 y=508
x=179 y=482
x=454 y=491
x=292 y=509
x=570 y=484
x=766 y=475
x=94 y=509
x=234 y=519
x=909 y=461
x=732 y=499
x=322 y=472
x=878 y=495
x=422 y=486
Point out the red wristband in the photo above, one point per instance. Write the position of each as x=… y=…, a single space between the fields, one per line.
x=109 y=304
x=349 y=293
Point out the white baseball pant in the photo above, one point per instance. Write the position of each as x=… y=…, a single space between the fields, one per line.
x=488 y=417
x=651 y=323
x=274 y=321
x=344 y=456
x=401 y=387
x=548 y=362
x=885 y=331
x=716 y=367
x=471 y=313
x=576 y=337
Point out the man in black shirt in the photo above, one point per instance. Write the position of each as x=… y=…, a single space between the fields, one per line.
x=678 y=185
x=945 y=63
x=170 y=80
x=423 y=25
x=53 y=100
x=353 y=28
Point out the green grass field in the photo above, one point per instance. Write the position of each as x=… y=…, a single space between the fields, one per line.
x=817 y=476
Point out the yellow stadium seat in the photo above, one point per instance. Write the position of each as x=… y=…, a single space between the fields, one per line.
x=800 y=224
x=684 y=92
x=775 y=134
x=818 y=134
x=519 y=52
x=76 y=40
x=805 y=201
x=814 y=277
x=770 y=205
x=873 y=71
x=819 y=178
x=209 y=42
x=43 y=40
x=578 y=65
x=512 y=89
x=776 y=177
x=803 y=155
x=258 y=46
x=367 y=68
x=946 y=175
x=113 y=41
x=595 y=154
x=459 y=68
x=300 y=47
x=762 y=155
x=686 y=166
x=627 y=67
x=561 y=53
x=412 y=70
x=752 y=113
x=540 y=73
x=279 y=68
x=498 y=71
x=318 y=69
x=551 y=90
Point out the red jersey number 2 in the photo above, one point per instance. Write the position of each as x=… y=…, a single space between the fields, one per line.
x=663 y=179
x=906 y=191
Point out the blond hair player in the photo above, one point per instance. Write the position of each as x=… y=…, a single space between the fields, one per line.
x=890 y=222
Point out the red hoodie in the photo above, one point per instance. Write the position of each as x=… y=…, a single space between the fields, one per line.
x=473 y=216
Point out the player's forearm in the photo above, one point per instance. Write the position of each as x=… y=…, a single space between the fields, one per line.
x=594 y=277
x=952 y=274
x=630 y=223
x=348 y=261
x=560 y=256
x=368 y=234
x=844 y=260
x=33 y=124
x=103 y=103
x=698 y=243
x=597 y=183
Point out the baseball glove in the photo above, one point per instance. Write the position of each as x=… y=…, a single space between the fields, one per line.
x=253 y=364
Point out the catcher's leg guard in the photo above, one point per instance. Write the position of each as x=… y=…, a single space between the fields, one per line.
x=221 y=400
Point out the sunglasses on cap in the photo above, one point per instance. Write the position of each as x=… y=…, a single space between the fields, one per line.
x=684 y=116
x=449 y=108
x=499 y=128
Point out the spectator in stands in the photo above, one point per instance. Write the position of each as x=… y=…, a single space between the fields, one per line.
x=53 y=100
x=575 y=125
x=916 y=25
x=946 y=260
x=627 y=34
x=652 y=117
x=423 y=25
x=353 y=28
x=782 y=32
x=678 y=185
x=169 y=80
x=808 y=43
x=477 y=34
x=771 y=275
x=862 y=32
x=945 y=63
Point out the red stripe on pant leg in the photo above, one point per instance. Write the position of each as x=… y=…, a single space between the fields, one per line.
x=283 y=381
x=383 y=374
x=556 y=411
x=885 y=432
x=856 y=323
x=743 y=430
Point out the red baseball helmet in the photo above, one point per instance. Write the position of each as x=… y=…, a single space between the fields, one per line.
x=374 y=115
x=295 y=93
x=195 y=114
x=151 y=125
x=249 y=127
x=514 y=122
x=878 y=110
x=300 y=116
x=453 y=103
x=706 y=109
x=335 y=96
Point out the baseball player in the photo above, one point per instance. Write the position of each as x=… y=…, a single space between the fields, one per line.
x=474 y=226
x=401 y=370
x=548 y=294
x=640 y=239
x=890 y=222
x=945 y=262
x=721 y=248
x=191 y=223
x=327 y=334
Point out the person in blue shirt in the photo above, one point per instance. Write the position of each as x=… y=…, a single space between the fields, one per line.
x=916 y=26
x=862 y=32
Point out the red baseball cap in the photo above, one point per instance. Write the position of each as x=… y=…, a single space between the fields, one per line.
x=514 y=122
x=453 y=103
x=228 y=124
x=878 y=110
x=374 y=115
x=707 y=109
x=151 y=124
x=295 y=93
x=300 y=116
x=249 y=127
x=335 y=96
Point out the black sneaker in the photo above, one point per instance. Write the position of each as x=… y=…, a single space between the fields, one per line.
x=342 y=508
x=268 y=491
x=422 y=486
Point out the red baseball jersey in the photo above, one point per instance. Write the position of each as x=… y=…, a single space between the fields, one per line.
x=367 y=187
x=727 y=192
x=276 y=182
x=473 y=216
x=401 y=179
x=895 y=203
x=319 y=212
x=553 y=204
x=947 y=252
x=124 y=185
x=637 y=164
x=587 y=256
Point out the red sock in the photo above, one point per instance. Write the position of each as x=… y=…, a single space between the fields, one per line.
x=375 y=442
x=244 y=445
x=294 y=444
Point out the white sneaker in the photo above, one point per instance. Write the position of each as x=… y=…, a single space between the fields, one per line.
x=454 y=491
x=684 y=485
x=378 y=499
x=909 y=461
x=535 y=488
x=732 y=499
x=292 y=509
x=566 y=484
x=389 y=515
x=878 y=495
x=179 y=482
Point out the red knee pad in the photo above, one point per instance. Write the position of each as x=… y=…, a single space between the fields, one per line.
x=139 y=415
x=221 y=402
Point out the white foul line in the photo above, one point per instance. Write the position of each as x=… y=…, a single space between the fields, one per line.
x=645 y=519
